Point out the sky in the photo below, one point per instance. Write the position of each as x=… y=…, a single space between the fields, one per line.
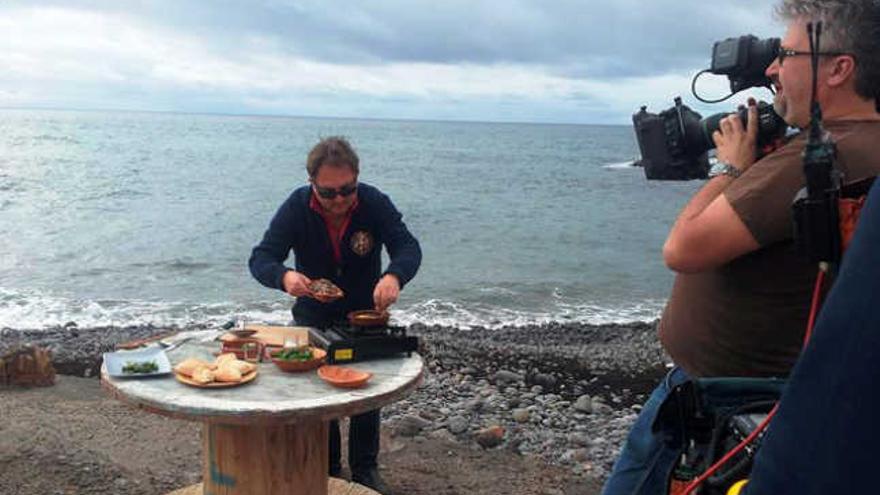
x=554 y=61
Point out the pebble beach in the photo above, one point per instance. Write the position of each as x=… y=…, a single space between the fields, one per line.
x=561 y=396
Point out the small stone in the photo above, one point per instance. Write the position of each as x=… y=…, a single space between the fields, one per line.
x=410 y=426
x=579 y=439
x=505 y=376
x=521 y=415
x=457 y=425
x=584 y=404
x=544 y=380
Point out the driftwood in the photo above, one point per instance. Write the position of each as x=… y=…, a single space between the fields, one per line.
x=27 y=367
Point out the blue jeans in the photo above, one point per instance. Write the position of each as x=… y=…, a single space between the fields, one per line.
x=645 y=460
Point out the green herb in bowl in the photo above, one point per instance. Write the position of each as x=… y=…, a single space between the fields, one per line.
x=140 y=367
x=294 y=354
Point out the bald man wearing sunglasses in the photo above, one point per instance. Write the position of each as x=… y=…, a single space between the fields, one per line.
x=336 y=228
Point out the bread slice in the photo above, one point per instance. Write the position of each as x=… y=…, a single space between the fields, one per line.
x=244 y=367
x=203 y=375
x=228 y=357
x=189 y=365
x=228 y=372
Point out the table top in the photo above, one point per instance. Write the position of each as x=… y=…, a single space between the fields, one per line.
x=273 y=397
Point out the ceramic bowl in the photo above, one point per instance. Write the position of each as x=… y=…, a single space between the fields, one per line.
x=318 y=356
x=340 y=376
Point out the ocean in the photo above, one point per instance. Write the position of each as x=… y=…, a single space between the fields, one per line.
x=128 y=218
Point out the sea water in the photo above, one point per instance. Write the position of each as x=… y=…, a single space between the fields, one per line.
x=116 y=218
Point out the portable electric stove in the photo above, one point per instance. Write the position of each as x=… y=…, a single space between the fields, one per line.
x=347 y=344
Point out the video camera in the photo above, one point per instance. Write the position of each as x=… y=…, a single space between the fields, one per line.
x=674 y=143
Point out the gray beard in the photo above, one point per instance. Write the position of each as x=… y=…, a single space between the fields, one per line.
x=780 y=105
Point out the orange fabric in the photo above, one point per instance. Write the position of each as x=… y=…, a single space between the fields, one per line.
x=848 y=210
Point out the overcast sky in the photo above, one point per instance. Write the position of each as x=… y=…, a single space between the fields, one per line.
x=516 y=60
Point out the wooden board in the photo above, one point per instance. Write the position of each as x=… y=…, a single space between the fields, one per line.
x=272 y=335
x=246 y=378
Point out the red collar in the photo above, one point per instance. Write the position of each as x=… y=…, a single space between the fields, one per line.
x=334 y=233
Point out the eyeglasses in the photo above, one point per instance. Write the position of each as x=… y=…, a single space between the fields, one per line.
x=330 y=193
x=785 y=53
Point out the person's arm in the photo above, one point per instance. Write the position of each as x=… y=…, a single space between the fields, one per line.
x=709 y=233
x=267 y=258
x=404 y=252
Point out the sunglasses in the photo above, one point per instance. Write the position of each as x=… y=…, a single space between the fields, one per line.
x=330 y=193
x=784 y=53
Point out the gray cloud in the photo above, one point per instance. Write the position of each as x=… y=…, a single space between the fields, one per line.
x=607 y=39
x=556 y=46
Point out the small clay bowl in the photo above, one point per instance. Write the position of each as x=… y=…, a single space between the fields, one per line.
x=242 y=334
x=318 y=356
x=237 y=346
x=339 y=376
x=368 y=318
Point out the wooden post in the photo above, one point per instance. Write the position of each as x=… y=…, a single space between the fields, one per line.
x=260 y=459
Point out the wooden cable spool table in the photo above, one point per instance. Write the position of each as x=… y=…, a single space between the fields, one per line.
x=269 y=436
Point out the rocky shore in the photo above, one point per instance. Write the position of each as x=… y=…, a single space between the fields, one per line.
x=564 y=393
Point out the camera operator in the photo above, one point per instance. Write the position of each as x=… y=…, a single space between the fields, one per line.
x=740 y=301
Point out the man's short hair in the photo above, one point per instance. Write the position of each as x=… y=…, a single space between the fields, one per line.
x=335 y=151
x=851 y=26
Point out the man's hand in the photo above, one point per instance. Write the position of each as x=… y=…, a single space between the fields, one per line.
x=386 y=292
x=737 y=146
x=296 y=284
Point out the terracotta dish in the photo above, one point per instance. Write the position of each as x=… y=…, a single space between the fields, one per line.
x=339 y=376
x=318 y=356
x=237 y=347
x=325 y=289
x=368 y=318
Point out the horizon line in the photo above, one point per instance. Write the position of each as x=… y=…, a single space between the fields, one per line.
x=315 y=117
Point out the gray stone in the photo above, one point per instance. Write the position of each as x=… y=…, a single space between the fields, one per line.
x=579 y=439
x=544 y=380
x=474 y=405
x=584 y=404
x=505 y=376
x=410 y=426
x=457 y=425
x=521 y=415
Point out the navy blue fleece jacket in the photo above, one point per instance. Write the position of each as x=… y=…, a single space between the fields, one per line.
x=297 y=227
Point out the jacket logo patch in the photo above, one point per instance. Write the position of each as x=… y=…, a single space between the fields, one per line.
x=361 y=243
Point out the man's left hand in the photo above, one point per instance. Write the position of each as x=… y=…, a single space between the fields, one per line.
x=386 y=292
x=736 y=145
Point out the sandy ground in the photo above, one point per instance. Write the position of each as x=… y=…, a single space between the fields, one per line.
x=73 y=439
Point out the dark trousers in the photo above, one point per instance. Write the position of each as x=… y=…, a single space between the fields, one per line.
x=363 y=433
x=363 y=443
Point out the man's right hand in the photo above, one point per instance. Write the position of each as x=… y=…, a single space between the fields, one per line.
x=296 y=284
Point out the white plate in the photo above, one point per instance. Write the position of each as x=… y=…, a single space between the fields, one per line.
x=116 y=360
